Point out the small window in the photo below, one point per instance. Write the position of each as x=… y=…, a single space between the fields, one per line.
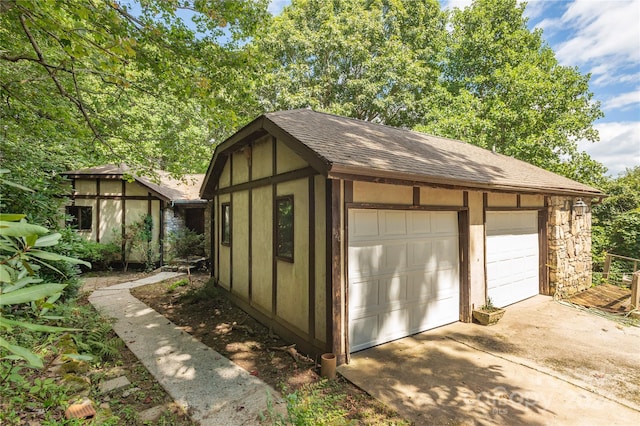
x=284 y=228
x=226 y=224
x=81 y=217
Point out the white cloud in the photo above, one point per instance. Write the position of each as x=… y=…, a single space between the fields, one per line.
x=623 y=101
x=606 y=35
x=619 y=146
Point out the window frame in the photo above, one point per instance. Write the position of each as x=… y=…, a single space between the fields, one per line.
x=79 y=216
x=225 y=224
x=277 y=225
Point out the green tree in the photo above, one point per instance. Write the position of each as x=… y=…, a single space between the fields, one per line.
x=85 y=82
x=90 y=74
x=505 y=90
x=616 y=221
x=372 y=60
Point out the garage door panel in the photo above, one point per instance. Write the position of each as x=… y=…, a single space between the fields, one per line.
x=419 y=223
x=363 y=294
x=393 y=290
x=444 y=222
x=363 y=331
x=364 y=224
x=512 y=256
x=414 y=252
x=393 y=223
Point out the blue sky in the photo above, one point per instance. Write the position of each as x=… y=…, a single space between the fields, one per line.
x=601 y=37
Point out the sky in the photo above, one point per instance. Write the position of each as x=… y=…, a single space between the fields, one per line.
x=600 y=37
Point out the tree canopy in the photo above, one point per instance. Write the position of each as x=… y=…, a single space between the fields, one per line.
x=95 y=81
x=478 y=74
x=372 y=60
x=108 y=82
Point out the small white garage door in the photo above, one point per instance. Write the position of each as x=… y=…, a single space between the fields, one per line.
x=512 y=256
x=403 y=274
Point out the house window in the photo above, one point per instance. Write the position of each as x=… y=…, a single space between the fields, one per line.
x=226 y=224
x=81 y=217
x=284 y=228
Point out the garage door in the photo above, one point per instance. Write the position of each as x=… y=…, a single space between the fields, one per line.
x=403 y=274
x=512 y=256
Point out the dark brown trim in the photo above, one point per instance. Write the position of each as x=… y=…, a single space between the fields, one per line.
x=97 y=211
x=465 y=199
x=336 y=278
x=123 y=217
x=348 y=199
x=113 y=197
x=348 y=191
x=416 y=195
x=393 y=178
x=250 y=227
x=217 y=213
x=512 y=209
x=403 y=207
x=485 y=202
x=270 y=180
x=274 y=260
x=312 y=257
x=543 y=243
x=231 y=243
x=230 y=160
x=518 y=201
x=161 y=233
x=463 y=254
x=328 y=310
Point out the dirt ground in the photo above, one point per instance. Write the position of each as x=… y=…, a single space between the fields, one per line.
x=203 y=312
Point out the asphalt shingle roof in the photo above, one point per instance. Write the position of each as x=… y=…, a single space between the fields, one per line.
x=185 y=189
x=361 y=147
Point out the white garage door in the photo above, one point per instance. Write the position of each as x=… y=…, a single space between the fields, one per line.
x=403 y=274
x=512 y=256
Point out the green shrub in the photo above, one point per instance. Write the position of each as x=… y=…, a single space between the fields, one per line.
x=185 y=243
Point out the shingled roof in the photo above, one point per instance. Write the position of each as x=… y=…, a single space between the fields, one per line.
x=162 y=185
x=344 y=147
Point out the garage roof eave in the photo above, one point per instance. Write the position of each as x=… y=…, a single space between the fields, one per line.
x=383 y=176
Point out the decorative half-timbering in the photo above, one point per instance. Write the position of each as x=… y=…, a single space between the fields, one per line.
x=106 y=199
x=342 y=234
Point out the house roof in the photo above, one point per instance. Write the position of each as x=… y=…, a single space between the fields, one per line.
x=183 y=190
x=354 y=149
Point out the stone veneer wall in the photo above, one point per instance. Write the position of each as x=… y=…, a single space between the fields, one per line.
x=569 y=247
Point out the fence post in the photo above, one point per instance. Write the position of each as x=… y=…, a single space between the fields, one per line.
x=607 y=266
x=635 y=293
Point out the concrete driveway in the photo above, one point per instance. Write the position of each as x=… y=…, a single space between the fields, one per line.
x=543 y=363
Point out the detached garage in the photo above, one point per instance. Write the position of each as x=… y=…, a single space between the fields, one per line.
x=342 y=234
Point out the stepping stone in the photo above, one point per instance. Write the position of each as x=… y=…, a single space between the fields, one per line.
x=117 y=383
x=151 y=414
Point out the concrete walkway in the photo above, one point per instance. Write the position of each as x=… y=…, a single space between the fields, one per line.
x=212 y=389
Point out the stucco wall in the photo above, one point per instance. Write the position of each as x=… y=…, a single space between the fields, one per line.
x=293 y=277
x=262 y=247
x=246 y=268
x=107 y=213
x=569 y=243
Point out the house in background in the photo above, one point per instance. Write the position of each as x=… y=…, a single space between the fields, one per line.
x=342 y=234
x=106 y=197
